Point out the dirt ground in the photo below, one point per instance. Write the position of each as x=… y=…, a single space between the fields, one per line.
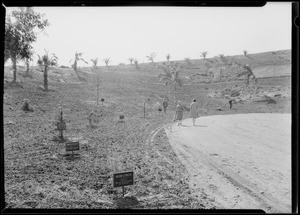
x=243 y=161
x=39 y=173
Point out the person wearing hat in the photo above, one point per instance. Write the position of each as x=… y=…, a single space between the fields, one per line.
x=194 y=111
x=179 y=112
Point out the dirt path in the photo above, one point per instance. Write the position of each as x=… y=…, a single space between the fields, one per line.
x=241 y=161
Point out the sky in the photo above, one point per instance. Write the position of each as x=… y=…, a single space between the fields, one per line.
x=183 y=32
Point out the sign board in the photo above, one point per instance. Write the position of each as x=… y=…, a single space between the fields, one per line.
x=72 y=146
x=123 y=179
x=61 y=125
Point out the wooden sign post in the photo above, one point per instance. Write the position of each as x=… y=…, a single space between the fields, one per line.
x=72 y=146
x=123 y=179
x=61 y=125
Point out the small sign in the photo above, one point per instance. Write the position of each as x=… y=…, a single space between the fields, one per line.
x=61 y=126
x=72 y=146
x=123 y=179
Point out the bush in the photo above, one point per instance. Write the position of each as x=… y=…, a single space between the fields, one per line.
x=25 y=106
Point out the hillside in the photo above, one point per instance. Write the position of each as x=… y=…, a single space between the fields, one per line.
x=39 y=173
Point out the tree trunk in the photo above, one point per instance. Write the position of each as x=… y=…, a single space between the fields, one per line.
x=97 y=90
x=75 y=65
x=248 y=76
x=46 y=78
x=14 y=62
x=175 y=93
x=27 y=67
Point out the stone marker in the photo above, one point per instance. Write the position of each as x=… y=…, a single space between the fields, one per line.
x=121 y=117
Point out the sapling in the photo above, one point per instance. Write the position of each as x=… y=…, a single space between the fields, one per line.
x=203 y=54
x=99 y=78
x=106 y=61
x=136 y=63
x=168 y=57
x=131 y=59
x=151 y=57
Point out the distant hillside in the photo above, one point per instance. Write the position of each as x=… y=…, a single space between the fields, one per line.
x=266 y=64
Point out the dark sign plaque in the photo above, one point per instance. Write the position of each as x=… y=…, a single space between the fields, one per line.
x=123 y=179
x=61 y=126
x=72 y=146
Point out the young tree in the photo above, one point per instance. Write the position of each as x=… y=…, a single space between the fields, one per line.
x=171 y=75
x=151 y=57
x=99 y=78
x=131 y=59
x=27 y=66
x=106 y=61
x=203 y=54
x=76 y=59
x=188 y=61
x=20 y=32
x=245 y=53
x=95 y=62
x=222 y=56
x=45 y=62
x=221 y=69
x=136 y=63
x=168 y=57
x=248 y=73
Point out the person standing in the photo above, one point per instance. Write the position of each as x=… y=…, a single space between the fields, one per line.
x=179 y=112
x=194 y=111
x=158 y=107
x=165 y=105
x=230 y=103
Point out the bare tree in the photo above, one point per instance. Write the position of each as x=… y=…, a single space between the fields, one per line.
x=151 y=57
x=168 y=57
x=45 y=62
x=131 y=59
x=203 y=54
x=136 y=63
x=99 y=78
x=106 y=61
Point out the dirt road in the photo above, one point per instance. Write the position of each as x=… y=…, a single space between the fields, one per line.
x=243 y=161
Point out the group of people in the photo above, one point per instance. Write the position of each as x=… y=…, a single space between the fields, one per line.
x=180 y=108
x=193 y=112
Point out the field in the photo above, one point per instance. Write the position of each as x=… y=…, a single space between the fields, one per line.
x=40 y=174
